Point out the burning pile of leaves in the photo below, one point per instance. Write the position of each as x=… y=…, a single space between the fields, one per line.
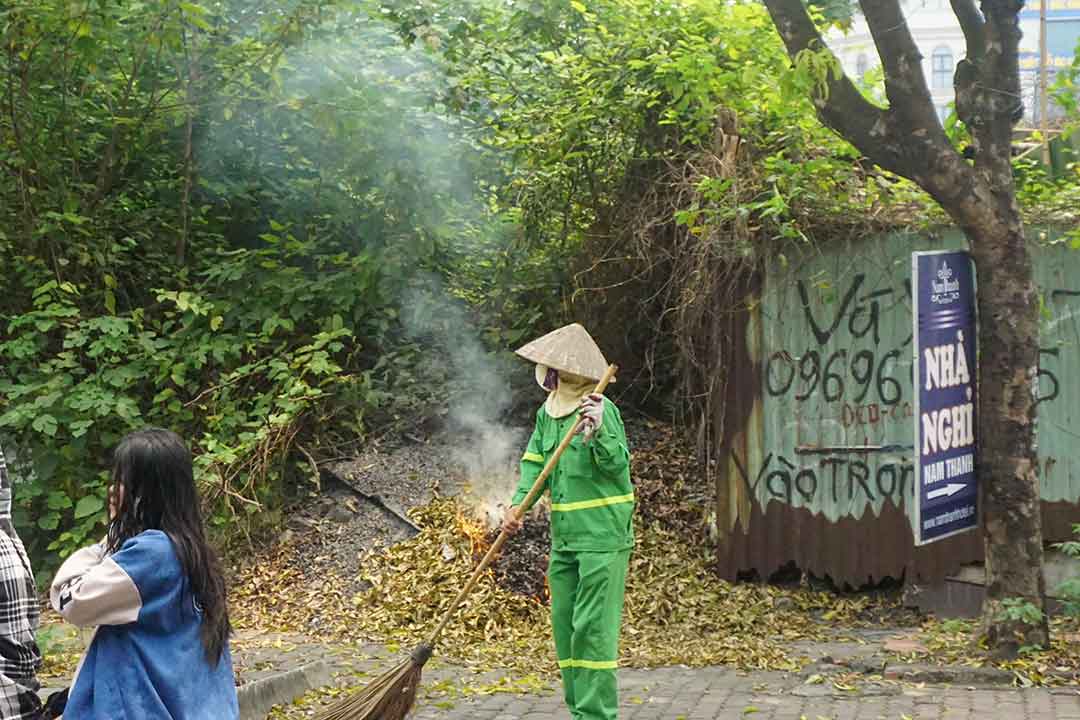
x=672 y=493
x=413 y=584
x=677 y=611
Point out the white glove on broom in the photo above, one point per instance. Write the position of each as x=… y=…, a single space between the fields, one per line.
x=592 y=412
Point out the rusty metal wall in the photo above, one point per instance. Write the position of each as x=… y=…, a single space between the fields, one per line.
x=817 y=446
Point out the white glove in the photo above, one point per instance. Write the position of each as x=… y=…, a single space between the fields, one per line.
x=592 y=412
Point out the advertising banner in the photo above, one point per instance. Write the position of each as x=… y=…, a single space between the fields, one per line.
x=944 y=374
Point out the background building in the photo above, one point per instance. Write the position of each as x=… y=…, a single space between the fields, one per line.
x=937 y=33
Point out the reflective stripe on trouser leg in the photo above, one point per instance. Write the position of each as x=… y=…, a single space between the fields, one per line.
x=594 y=636
x=597 y=618
x=563 y=582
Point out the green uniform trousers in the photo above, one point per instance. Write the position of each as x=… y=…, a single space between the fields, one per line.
x=587 y=591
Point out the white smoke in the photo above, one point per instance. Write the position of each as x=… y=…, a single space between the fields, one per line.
x=489 y=453
x=397 y=91
x=478 y=393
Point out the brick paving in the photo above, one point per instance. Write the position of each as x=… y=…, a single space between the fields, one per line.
x=674 y=693
x=724 y=694
x=681 y=693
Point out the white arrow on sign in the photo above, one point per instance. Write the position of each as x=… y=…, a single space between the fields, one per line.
x=950 y=489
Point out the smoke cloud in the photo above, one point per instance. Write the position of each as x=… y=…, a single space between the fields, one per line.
x=479 y=394
x=361 y=119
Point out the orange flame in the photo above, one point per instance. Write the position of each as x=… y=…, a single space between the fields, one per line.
x=476 y=532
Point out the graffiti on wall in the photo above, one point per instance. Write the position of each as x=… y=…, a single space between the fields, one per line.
x=833 y=476
x=834 y=421
x=863 y=381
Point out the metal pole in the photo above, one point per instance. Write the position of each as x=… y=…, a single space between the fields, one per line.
x=1043 y=104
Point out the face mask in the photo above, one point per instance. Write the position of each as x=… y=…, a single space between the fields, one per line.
x=547 y=378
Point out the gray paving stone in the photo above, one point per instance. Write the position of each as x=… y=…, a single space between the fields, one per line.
x=722 y=694
x=702 y=694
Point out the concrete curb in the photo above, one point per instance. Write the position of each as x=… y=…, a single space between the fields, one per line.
x=945 y=675
x=256 y=698
x=914 y=672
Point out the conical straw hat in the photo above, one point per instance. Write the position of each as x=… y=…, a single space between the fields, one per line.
x=569 y=349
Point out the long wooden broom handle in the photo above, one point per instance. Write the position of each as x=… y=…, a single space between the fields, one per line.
x=537 y=488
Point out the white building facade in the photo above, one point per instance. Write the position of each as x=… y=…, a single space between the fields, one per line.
x=941 y=41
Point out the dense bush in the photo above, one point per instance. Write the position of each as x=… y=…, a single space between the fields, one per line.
x=211 y=217
x=277 y=225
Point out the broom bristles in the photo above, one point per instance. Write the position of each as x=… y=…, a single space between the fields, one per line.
x=388 y=697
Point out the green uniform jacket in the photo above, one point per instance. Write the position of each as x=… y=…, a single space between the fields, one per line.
x=592 y=500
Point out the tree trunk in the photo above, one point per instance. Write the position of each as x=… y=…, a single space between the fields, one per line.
x=1008 y=461
x=988 y=101
x=906 y=138
x=191 y=60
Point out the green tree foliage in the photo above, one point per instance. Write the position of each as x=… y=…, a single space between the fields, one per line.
x=652 y=152
x=209 y=218
x=216 y=216
x=582 y=102
x=248 y=220
x=1069 y=590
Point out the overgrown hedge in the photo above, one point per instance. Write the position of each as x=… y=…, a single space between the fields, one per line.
x=274 y=226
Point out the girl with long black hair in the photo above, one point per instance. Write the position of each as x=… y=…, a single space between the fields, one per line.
x=155 y=592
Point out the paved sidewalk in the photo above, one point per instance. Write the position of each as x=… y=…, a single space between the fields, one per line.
x=450 y=692
x=723 y=694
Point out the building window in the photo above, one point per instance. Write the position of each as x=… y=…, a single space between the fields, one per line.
x=941 y=63
x=862 y=64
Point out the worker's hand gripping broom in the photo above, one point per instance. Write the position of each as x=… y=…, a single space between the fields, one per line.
x=392 y=695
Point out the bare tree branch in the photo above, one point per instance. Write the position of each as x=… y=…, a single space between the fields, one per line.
x=998 y=99
x=906 y=139
x=905 y=82
x=845 y=110
x=971 y=22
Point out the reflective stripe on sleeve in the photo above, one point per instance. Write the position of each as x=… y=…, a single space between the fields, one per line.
x=598 y=502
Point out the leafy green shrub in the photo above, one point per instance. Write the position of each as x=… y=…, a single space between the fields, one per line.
x=217 y=213
x=1069 y=591
x=238 y=372
x=1021 y=610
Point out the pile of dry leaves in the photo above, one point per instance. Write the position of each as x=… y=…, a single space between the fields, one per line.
x=522 y=567
x=672 y=488
x=677 y=611
x=950 y=642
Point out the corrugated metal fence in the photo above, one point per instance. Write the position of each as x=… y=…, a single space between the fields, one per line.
x=818 y=459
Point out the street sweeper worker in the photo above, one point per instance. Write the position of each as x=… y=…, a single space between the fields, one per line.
x=592 y=508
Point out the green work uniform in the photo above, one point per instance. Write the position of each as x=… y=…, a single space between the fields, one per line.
x=592 y=534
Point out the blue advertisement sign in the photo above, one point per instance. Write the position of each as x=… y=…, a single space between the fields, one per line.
x=944 y=367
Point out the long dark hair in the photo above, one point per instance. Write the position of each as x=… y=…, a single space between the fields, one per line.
x=153 y=466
